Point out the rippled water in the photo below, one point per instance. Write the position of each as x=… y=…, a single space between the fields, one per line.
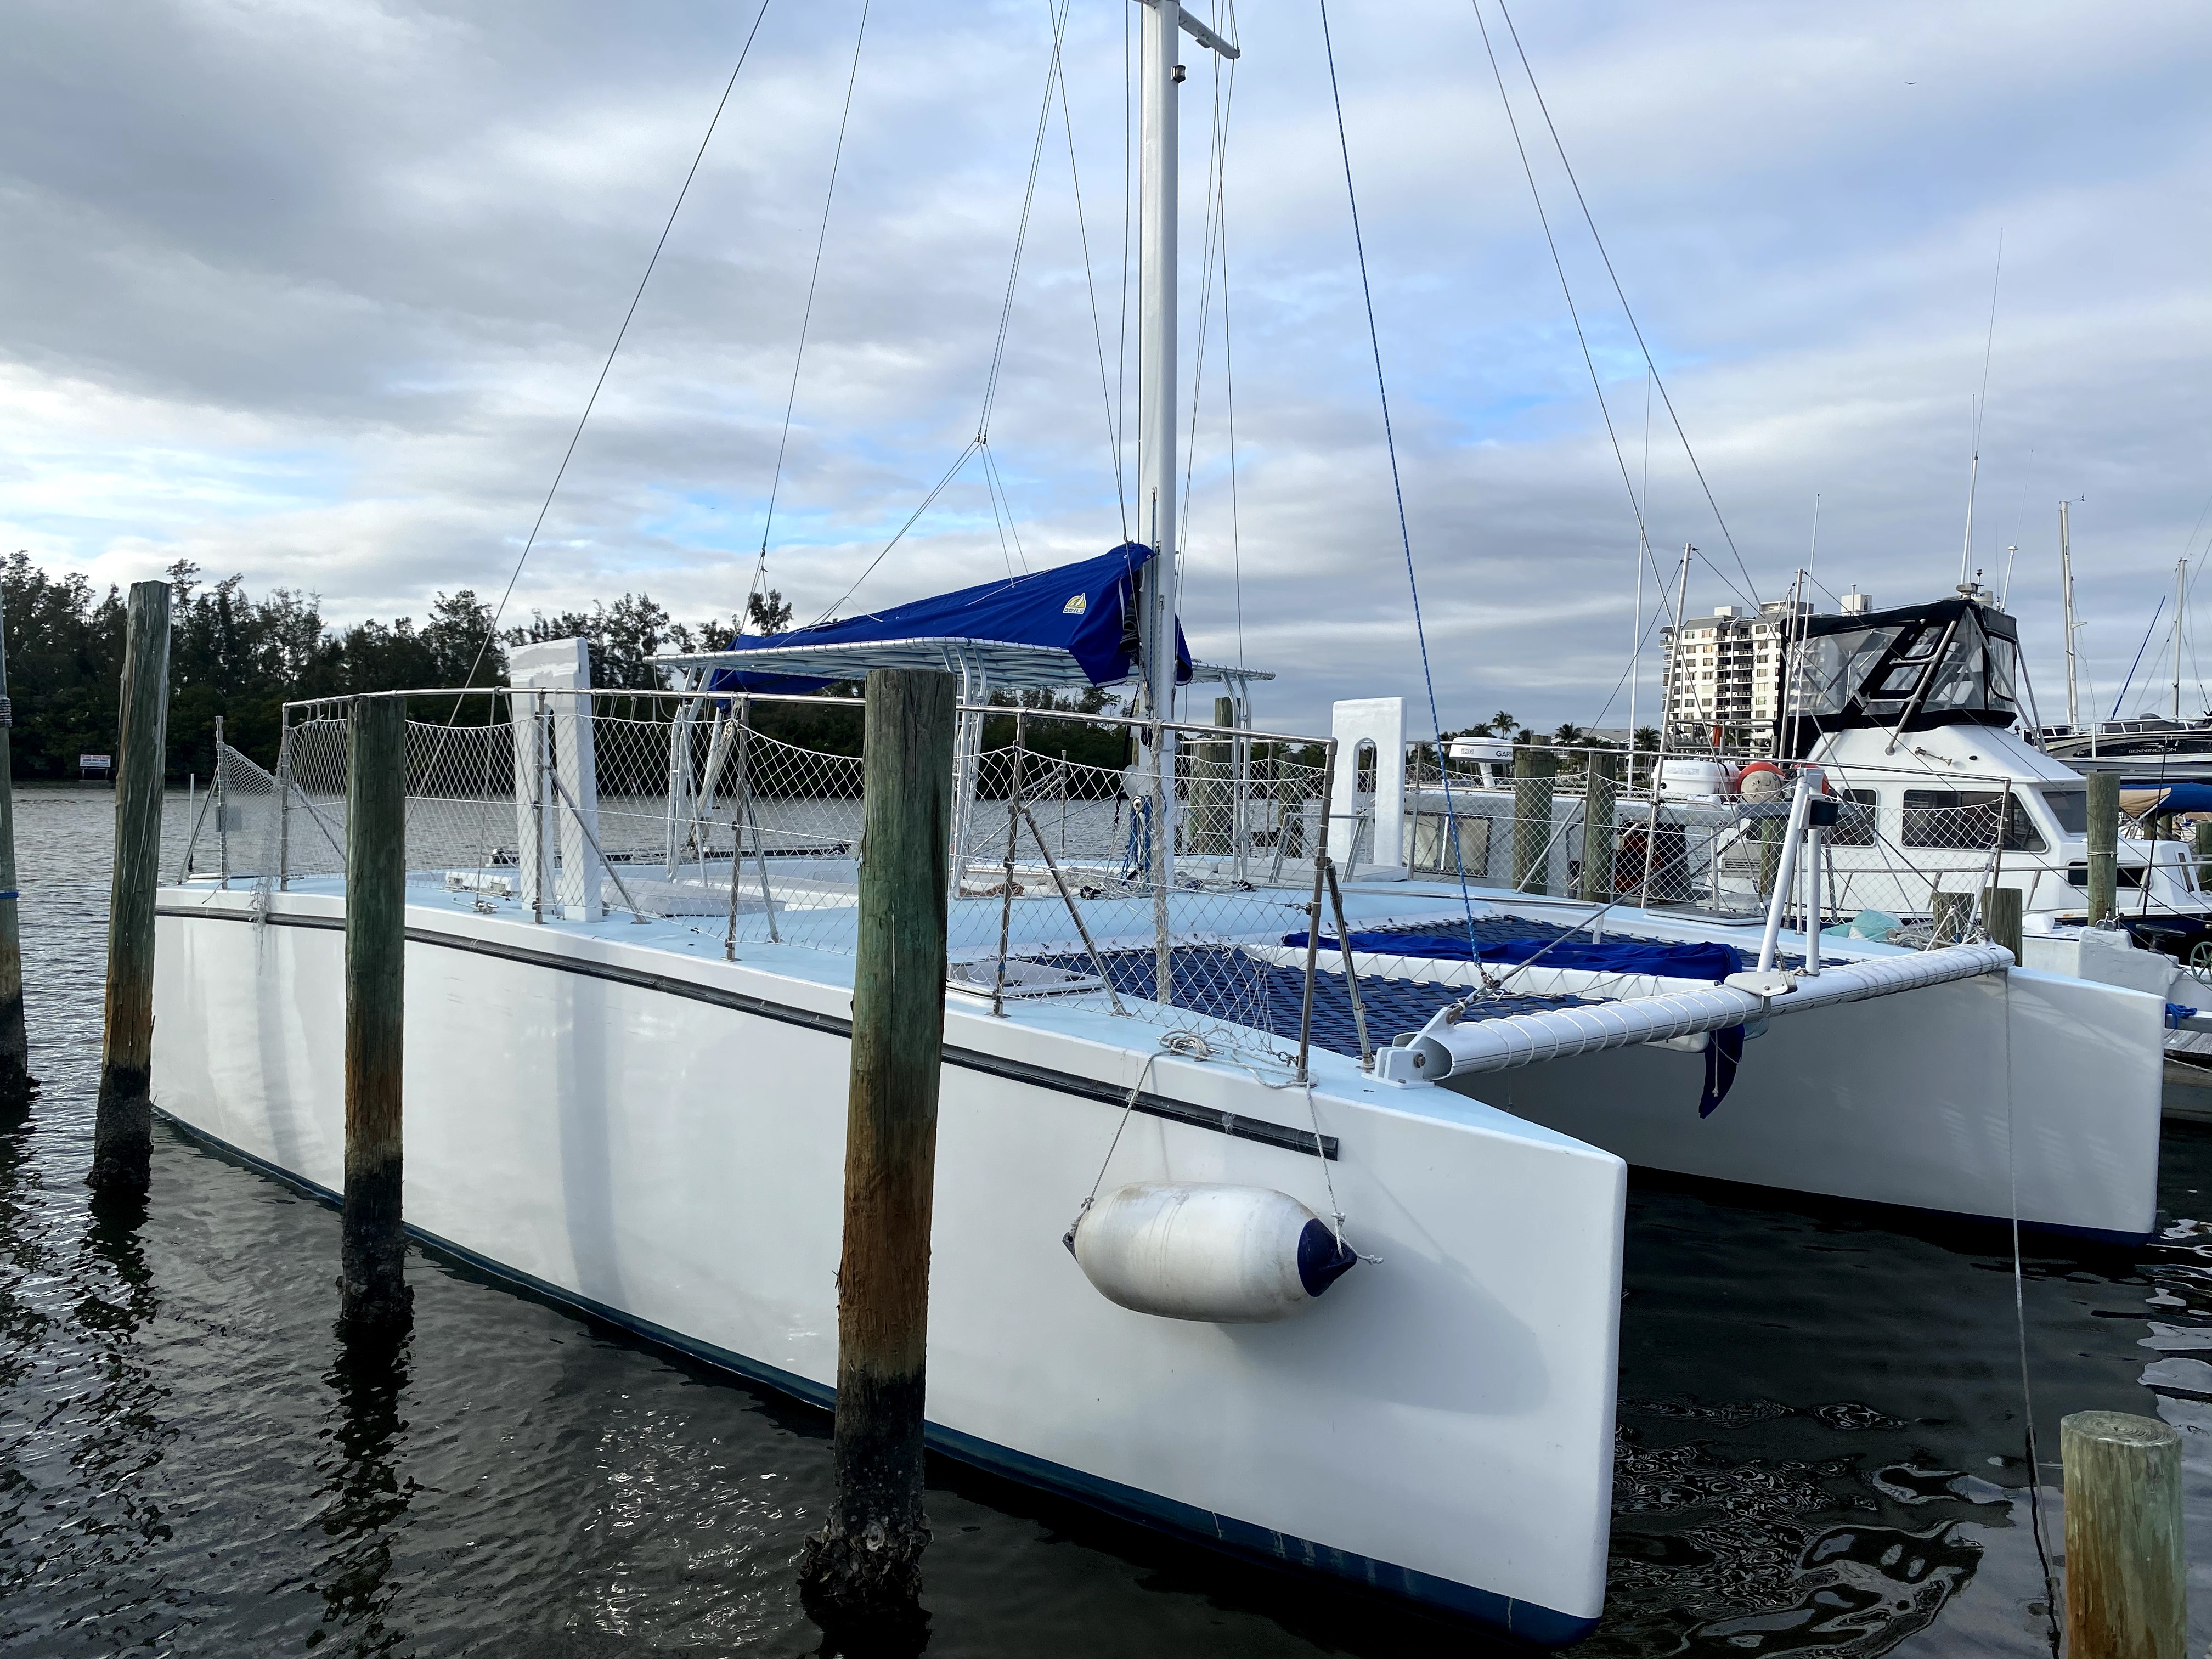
x=1821 y=1438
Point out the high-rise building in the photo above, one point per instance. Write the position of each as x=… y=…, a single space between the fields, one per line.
x=1724 y=677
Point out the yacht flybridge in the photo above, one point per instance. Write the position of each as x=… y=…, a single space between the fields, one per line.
x=1914 y=716
x=632 y=930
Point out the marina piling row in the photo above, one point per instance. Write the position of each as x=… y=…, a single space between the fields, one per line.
x=866 y=1561
x=1599 y=795
x=122 y=1124
x=2001 y=918
x=2104 y=846
x=1533 y=771
x=372 y=1248
x=16 y=1083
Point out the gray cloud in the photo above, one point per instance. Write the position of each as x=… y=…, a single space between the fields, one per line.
x=316 y=292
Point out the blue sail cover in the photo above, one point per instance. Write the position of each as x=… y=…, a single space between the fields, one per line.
x=1088 y=609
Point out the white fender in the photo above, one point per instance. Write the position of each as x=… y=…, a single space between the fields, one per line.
x=1228 y=1255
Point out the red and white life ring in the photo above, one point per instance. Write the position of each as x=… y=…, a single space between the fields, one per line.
x=1765 y=780
x=1762 y=781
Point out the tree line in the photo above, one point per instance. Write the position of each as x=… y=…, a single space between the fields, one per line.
x=241 y=658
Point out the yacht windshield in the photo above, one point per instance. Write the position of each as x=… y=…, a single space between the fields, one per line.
x=2072 y=808
x=1954 y=662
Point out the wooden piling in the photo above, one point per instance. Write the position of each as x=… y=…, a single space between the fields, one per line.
x=1533 y=770
x=2104 y=845
x=2001 y=917
x=373 y=1287
x=1291 y=811
x=1211 y=794
x=2126 y=1574
x=866 y=1561
x=123 y=1122
x=16 y=1083
x=1599 y=795
x=1770 y=855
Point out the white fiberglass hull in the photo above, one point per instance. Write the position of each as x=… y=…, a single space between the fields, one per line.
x=658 y=1138
x=2022 y=1094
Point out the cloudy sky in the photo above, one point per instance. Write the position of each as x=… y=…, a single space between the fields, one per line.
x=316 y=292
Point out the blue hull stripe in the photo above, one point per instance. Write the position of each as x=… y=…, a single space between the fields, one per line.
x=1524 y=1619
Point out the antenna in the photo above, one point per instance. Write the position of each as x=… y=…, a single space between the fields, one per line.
x=2011 y=553
x=1981 y=404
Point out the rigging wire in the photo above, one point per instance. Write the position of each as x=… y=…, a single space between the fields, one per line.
x=979 y=443
x=2138 y=663
x=1658 y=616
x=1217 y=166
x=1560 y=267
x=997 y=481
x=1128 y=218
x=1636 y=626
x=1090 y=286
x=2198 y=559
x=898 y=536
x=1390 y=444
x=1981 y=408
x=807 y=316
x=1229 y=397
x=997 y=518
x=569 y=454
x=1627 y=309
x=1022 y=226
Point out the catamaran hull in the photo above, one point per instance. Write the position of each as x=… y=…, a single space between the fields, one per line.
x=659 y=1139
x=2019 y=1094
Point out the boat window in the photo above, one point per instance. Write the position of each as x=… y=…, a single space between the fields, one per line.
x=2130 y=875
x=1966 y=820
x=1854 y=823
x=1362 y=758
x=2072 y=808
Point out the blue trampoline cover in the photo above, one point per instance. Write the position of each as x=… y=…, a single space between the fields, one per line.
x=1087 y=608
x=1713 y=962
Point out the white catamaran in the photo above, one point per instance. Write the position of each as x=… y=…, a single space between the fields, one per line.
x=631 y=927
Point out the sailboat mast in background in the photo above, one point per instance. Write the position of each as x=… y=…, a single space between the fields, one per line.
x=2180 y=600
x=2066 y=591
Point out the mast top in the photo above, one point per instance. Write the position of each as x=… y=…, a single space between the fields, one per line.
x=1200 y=33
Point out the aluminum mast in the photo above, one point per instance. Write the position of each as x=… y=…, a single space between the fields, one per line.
x=1166 y=23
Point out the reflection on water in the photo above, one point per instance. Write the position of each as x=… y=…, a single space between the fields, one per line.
x=366 y=1487
x=1821 y=1452
x=1784 y=1557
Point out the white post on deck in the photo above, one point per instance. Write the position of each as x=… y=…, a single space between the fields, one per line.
x=569 y=824
x=1380 y=721
x=1785 y=878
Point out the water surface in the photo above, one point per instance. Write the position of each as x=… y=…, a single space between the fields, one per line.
x=1822 y=1436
